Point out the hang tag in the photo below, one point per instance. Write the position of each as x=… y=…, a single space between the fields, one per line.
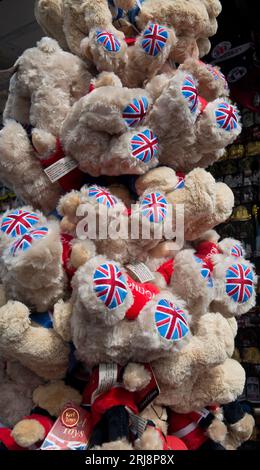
x=71 y=431
x=60 y=168
x=140 y=272
x=204 y=413
x=137 y=424
x=108 y=378
x=144 y=397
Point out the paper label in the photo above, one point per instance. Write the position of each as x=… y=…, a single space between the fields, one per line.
x=140 y=272
x=71 y=431
x=137 y=425
x=145 y=396
x=204 y=413
x=108 y=378
x=60 y=168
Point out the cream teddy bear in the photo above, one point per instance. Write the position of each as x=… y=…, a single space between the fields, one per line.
x=215 y=276
x=202 y=374
x=36 y=256
x=16 y=387
x=38 y=102
x=43 y=350
x=99 y=214
x=29 y=431
x=130 y=131
x=95 y=31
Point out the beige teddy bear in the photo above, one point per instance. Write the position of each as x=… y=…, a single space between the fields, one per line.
x=31 y=429
x=95 y=31
x=44 y=351
x=130 y=131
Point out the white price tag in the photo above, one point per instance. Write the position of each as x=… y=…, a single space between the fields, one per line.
x=60 y=168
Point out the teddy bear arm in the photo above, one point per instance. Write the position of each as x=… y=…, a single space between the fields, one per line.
x=23 y=172
x=61 y=319
x=18 y=104
x=49 y=15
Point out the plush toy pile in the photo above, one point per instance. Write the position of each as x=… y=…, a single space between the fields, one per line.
x=114 y=115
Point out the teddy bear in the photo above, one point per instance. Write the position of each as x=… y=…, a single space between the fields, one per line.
x=97 y=31
x=39 y=345
x=35 y=264
x=126 y=132
x=125 y=314
x=115 y=408
x=29 y=432
x=35 y=90
x=37 y=104
x=215 y=276
x=17 y=384
x=213 y=428
x=104 y=215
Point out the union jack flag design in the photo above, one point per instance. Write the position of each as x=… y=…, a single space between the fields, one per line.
x=18 y=222
x=181 y=180
x=154 y=207
x=135 y=112
x=53 y=442
x=239 y=282
x=171 y=321
x=25 y=242
x=102 y=196
x=144 y=146
x=237 y=251
x=110 y=285
x=217 y=74
x=190 y=93
x=154 y=39
x=109 y=41
x=204 y=271
x=226 y=117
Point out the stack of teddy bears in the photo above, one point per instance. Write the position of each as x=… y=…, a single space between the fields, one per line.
x=114 y=115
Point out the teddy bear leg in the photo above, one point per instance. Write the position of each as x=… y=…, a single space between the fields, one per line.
x=149 y=54
x=134 y=152
x=49 y=15
x=212 y=83
x=218 y=126
x=21 y=170
x=193 y=282
x=106 y=47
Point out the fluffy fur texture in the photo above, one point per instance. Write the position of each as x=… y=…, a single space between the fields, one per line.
x=185 y=138
x=120 y=339
x=75 y=23
x=42 y=350
x=38 y=97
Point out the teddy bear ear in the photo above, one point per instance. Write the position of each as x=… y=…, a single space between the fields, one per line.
x=86 y=49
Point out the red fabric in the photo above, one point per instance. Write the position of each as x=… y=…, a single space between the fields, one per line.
x=203 y=104
x=142 y=294
x=166 y=270
x=193 y=439
x=205 y=251
x=66 y=252
x=8 y=440
x=116 y=395
x=130 y=41
x=91 y=88
x=74 y=179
